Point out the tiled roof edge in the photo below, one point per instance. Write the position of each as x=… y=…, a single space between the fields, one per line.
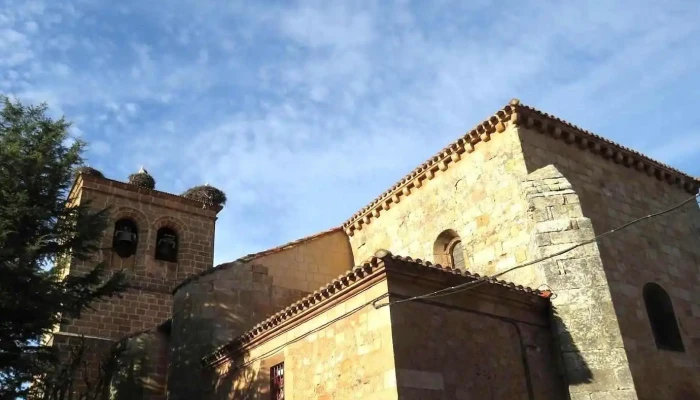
x=426 y=171
x=517 y=114
x=253 y=256
x=563 y=130
x=350 y=278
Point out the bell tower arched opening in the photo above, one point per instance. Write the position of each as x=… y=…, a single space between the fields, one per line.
x=166 y=244
x=126 y=237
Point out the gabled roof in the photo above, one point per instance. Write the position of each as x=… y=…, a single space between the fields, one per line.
x=353 y=278
x=518 y=114
x=253 y=256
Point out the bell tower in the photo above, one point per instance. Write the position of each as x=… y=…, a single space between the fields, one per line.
x=158 y=239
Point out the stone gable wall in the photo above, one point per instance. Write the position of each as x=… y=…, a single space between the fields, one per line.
x=665 y=250
x=507 y=209
x=478 y=197
x=349 y=359
x=309 y=265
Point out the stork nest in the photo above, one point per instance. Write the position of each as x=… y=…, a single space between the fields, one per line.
x=143 y=180
x=85 y=170
x=206 y=194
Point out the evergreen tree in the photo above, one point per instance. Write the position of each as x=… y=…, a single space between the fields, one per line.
x=39 y=234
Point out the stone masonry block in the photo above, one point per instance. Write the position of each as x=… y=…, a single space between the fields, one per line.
x=574 y=273
x=572 y=236
x=541 y=202
x=259 y=269
x=565 y=211
x=557 y=225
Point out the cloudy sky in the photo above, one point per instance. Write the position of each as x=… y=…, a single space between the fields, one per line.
x=305 y=111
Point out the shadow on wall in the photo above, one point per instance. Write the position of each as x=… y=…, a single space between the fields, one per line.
x=212 y=311
x=572 y=366
x=198 y=330
x=245 y=382
x=140 y=368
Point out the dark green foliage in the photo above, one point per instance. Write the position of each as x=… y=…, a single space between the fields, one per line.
x=39 y=234
x=206 y=194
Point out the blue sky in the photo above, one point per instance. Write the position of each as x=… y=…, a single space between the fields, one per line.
x=305 y=111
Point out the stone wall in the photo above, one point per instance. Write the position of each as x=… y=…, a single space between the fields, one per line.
x=311 y=263
x=493 y=342
x=484 y=343
x=665 y=250
x=134 y=367
x=508 y=208
x=348 y=359
x=141 y=367
x=212 y=310
x=586 y=328
x=91 y=378
x=134 y=311
x=151 y=210
x=478 y=197
x=148 y=302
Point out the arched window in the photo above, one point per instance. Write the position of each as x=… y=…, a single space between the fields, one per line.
x=457 y=255
x=448 y=250
x=662 y=318
x=166 y=244
x=126 y=238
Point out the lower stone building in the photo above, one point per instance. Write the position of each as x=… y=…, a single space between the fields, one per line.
x=348 y=341
x=524 y=196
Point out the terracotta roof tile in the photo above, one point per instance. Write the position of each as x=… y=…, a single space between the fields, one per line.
x=253 y=256
x=517 y=114
x=618 y=147
x=353 y=277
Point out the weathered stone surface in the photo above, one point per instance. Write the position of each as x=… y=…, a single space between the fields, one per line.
x=543 y=196
x=352 y=358
x=661 y=250
x=147 y=303
x=210 y=312
x=520 y=196
x=414 y=351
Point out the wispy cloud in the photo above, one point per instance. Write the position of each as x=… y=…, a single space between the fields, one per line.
x=302 y=112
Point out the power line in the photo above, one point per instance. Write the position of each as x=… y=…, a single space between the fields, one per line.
x=454 y=289
x=311 y=332
x=486 y=279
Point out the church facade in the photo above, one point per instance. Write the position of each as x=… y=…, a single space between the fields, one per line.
x=398 y=301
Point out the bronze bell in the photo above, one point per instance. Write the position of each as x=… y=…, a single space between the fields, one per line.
x=167 y=247
x=124 y=237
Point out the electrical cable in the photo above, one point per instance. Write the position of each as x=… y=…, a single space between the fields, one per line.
x=457 y=288
x=312 y=331
x=487 y=279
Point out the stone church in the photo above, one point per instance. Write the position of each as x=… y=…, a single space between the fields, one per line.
x=398 y=302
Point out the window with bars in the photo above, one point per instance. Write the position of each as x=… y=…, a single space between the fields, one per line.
x=277 y=382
